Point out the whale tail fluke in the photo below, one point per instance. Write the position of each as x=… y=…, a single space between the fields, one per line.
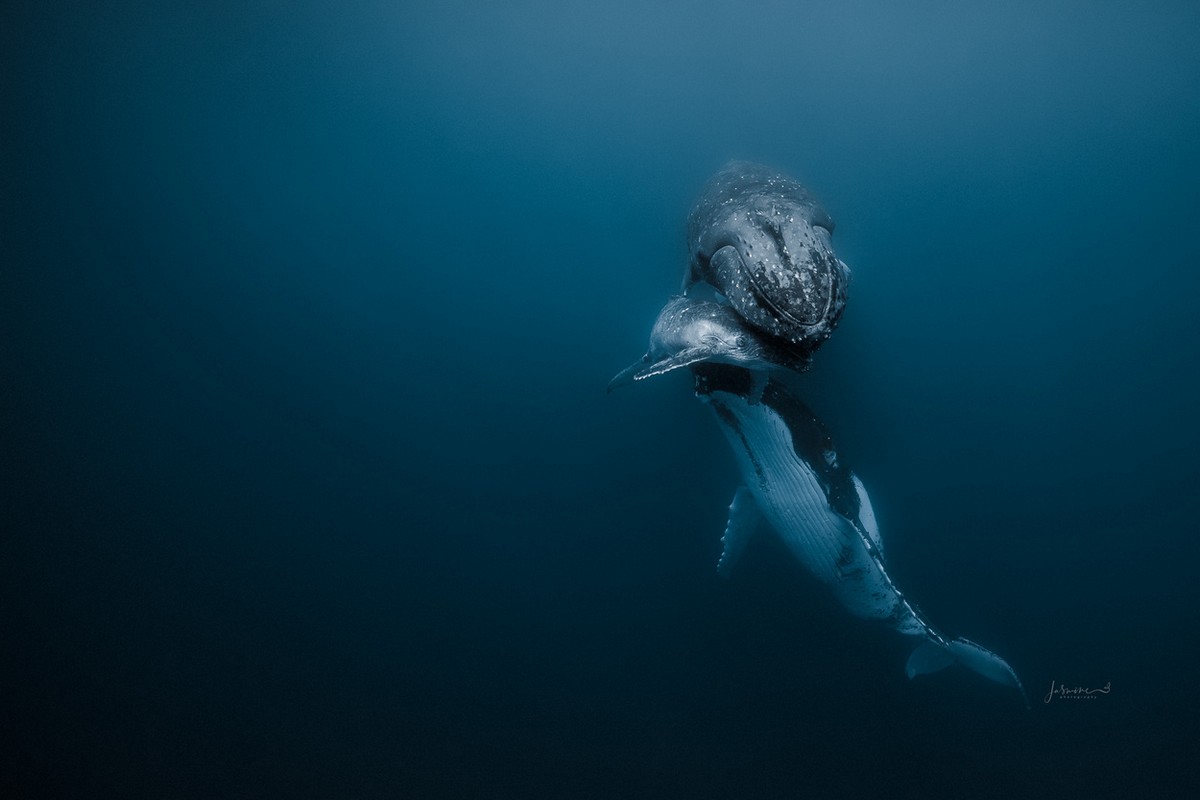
x=931 y=656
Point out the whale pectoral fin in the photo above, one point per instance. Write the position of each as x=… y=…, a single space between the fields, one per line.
x=628 y=375
x=640 y=370
x=683 y=358
x=744 y=518
x=866 y=515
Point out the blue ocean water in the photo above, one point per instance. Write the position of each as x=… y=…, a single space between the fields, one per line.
x=312 y=487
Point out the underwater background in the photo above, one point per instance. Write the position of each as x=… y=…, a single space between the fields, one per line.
x=311 y=487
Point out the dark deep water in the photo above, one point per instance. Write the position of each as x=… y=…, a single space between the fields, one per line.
x=311 y=487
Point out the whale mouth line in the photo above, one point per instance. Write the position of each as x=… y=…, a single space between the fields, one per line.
x=786 y=316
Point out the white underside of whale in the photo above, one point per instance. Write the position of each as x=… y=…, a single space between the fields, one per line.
x=846 y=554
x=840 y=553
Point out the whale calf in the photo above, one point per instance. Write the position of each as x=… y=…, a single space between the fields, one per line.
x=765 y=243
x=795 y=484
x=689 y=331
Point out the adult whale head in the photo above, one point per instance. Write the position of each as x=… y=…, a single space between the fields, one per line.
x=764 y=242
x=690 y=331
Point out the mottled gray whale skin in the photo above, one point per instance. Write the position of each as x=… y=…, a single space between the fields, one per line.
x=689 y=331
x=764 y=242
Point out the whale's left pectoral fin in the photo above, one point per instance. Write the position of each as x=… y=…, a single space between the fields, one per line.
x=646 y=368
x=744 y=519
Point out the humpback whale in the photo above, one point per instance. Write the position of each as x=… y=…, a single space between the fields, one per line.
x=794 y=481
x=689 y=331
x=764 y=242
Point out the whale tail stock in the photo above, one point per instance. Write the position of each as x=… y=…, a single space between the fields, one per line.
x=932 y=655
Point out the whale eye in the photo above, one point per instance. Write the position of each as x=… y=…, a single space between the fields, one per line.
x=740 y=342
